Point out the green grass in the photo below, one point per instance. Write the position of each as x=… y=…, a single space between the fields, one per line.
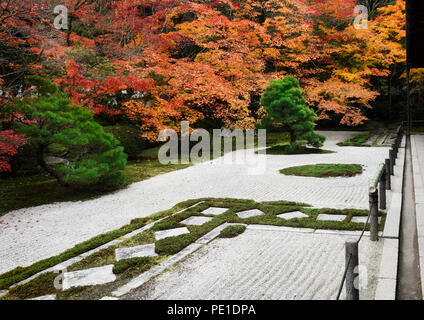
x=128 y=269
x=357 y=141
x=324 y=170
x=232 y=231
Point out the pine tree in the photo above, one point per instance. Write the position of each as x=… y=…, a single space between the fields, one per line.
x=286 y=109
x=52 y=122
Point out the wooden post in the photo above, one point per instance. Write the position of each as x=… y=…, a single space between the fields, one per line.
x=391 y=155
x=394 y=153
x=373 y=215
x=352 y=275
x=383 y=191
x=388 y=177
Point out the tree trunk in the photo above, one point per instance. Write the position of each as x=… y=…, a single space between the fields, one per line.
x=390 y=94
x=292 y=137
x=50 y=170
x=69 y=31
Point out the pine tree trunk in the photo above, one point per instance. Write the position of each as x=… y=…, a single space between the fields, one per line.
x=390 y=95
x=292 y=137
x=50 y=170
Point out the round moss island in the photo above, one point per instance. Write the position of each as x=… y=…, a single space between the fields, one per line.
x=292 y=150
x=324 y=170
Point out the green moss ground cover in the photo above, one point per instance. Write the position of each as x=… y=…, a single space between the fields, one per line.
x=128 y=269
x=357 y=141
x=324 y=170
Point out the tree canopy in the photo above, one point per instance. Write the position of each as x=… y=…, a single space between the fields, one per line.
x=286 y=109
x=154 y=63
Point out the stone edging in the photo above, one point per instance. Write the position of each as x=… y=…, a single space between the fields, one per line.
x=156 y=271
x=419 y=206
x=61 y=266
x=387 y=277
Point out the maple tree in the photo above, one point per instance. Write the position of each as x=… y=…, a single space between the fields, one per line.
x=155 y=63
x=10 y=142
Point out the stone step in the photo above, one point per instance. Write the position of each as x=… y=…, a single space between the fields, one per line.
x=88 y=277
x=170 y=233
x=147 y=250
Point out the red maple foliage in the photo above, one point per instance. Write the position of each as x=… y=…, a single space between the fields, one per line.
x=10 y=142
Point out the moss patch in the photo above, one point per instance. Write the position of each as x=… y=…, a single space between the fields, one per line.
x=128 y=269
x=18 y=274
x=143 y=264
x=288 y=150
x=357 y=141
x=324 y=170
x=40 y=286
x=232 y=231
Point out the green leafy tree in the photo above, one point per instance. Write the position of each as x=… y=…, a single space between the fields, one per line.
x=88 y=155
x=287 y=110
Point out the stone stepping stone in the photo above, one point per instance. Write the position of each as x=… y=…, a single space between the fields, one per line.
x=331 y=217
x=214 y=211
x=293 y=215
x=147 y=250
x=109 y=298
x=89 y=277
x=170 y=233
x=196 y=221
x=47 y=297
x=250 y=213
x=362 y=219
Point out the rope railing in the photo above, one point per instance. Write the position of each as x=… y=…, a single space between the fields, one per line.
x=380 y=184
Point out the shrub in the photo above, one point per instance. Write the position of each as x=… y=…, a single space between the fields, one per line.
x=129 y=138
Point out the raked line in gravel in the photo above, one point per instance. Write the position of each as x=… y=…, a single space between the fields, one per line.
x=61 y=226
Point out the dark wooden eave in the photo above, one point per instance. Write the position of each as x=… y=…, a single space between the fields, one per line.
x=415 y=33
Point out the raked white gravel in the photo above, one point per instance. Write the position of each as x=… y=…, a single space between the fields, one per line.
x=31 y=234
x=271 y=265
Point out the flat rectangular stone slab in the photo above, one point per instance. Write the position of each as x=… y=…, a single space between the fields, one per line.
x=109 y=298
x=249 y=213
x=331 y=217
x=47 y=297
x=155 y=271
x=292 y=215
x=147 y=250
x=362 y=219
x=89 y=277
x=170 y=233
x=214 y=211
x=196 y=221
